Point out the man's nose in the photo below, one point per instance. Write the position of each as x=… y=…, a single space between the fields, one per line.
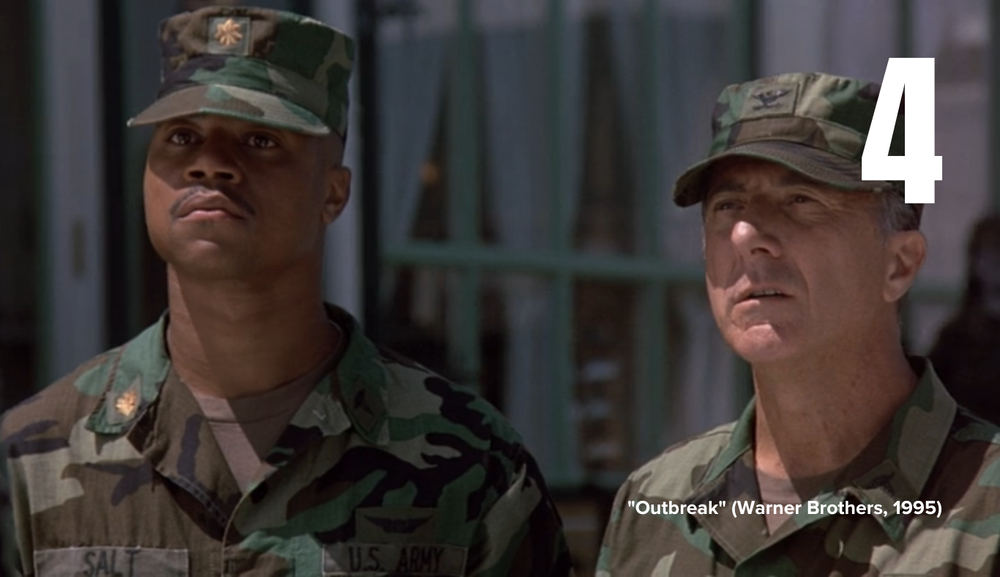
x=214 y=161
x=755 y=234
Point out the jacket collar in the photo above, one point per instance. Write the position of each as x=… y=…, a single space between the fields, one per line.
x=133 y=377
x=918 y=431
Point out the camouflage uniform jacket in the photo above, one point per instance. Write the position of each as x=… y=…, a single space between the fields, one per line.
x=935 y=451
x=386 y=469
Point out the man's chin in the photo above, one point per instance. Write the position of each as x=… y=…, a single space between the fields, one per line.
x=761 y=344
x=210 y=271
x=209 y=263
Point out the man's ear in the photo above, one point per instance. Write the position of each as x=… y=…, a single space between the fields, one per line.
x=906 y=252
x=338 y=192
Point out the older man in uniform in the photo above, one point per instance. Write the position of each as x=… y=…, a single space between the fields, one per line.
x=852 y=459
x=254 y=430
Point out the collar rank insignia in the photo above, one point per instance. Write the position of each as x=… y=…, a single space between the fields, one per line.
x=127 y=403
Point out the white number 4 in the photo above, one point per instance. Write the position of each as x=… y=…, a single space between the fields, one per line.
x=919 y=168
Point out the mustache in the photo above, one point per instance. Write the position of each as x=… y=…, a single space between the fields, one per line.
x=199 y=189
x=773 y=274
x=770 y=275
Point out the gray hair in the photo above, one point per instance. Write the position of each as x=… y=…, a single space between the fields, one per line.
x=894 y=215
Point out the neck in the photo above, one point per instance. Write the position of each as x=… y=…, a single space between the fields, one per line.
x=815 y=415
x=232 y=339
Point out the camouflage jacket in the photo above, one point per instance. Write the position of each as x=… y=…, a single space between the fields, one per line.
x=386 y=469
x=935 y=452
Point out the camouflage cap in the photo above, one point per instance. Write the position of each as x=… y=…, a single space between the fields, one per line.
x=265 y=66
x=815 y=124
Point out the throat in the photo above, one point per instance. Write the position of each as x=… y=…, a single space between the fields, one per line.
x=242 y=365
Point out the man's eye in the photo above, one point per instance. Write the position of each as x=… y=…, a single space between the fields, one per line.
x=261 y=141
x=723 y=205
x=181 y=137
x=801 y=199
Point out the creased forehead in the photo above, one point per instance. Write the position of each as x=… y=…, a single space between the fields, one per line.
x=746 y=175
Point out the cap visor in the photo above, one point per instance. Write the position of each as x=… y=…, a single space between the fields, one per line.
x=242 y=103
x=811 y=162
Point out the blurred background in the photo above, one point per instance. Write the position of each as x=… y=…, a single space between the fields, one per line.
x=511 y=225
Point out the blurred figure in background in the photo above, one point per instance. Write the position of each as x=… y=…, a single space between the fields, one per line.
x=967 y=353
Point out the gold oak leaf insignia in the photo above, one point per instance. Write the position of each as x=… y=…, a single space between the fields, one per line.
x=126 y=403
x=228 y=33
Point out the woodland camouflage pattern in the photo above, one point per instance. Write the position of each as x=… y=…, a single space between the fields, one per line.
x=815 y=124
x=264 y=66
x=932 y=450
x=386 y=469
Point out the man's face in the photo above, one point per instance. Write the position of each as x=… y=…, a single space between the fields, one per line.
x=793 y=267
x=226 y=198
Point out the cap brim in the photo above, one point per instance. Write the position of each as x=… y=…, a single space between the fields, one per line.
x=817 y=164
x=232 y=101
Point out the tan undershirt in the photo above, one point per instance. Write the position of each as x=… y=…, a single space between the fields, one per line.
x=790 y=492
x=247 y=428
x=777 y=491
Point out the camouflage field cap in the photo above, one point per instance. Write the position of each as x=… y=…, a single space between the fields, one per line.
x=266 y=66
x=815 y=124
